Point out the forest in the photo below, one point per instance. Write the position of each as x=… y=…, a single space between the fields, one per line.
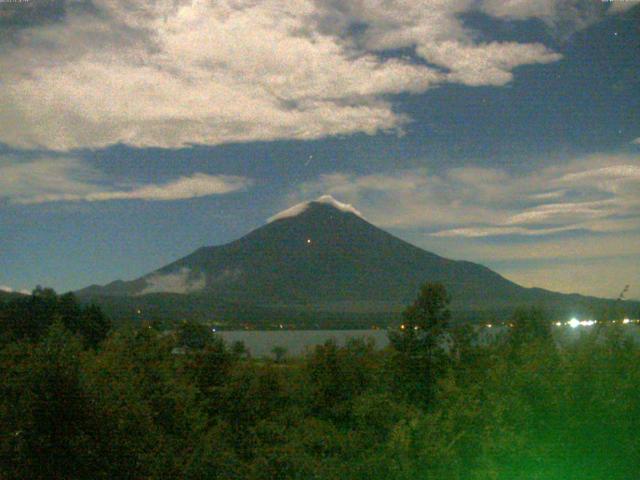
x=82 y=400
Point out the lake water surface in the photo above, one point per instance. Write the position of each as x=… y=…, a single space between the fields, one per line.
x=261 y=342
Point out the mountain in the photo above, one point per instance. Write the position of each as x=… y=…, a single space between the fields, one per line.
x=5 y=295
x=316 y=258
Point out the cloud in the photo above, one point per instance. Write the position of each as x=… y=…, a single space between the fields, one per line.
x=596 y=193
x=8 y=289
x=171 y=74
x=636 y=141
x=227 y=275
x=495 y=231
x=590 y=263
x=484 y=64
x=563 y=212
x=616 y=7
x=574 y=247
x=563 y=17
x=584 y=211
x=617 y=172
x=68 y=179
x=598 y=277
x=182 y=281
x=194 y=186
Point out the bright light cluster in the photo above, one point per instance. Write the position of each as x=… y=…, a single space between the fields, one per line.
x=575 y=323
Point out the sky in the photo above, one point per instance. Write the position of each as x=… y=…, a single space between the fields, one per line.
x=505 y=132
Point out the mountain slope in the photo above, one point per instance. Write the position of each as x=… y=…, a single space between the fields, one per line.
x=323 y=256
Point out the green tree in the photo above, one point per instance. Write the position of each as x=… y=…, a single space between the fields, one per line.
x=279 y=353
x=210 y=367
x=420 y=341
x=194 y=335
x=47 y=418
x=529 y=325
x=150 y=412
x=337 y=375
x=29 y=317
x=239 y=350
x=95 y=325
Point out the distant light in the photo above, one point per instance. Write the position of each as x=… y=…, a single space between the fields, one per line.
x=281 y=326
x=626 y=320
x=213 y=330
x=308 y=241
x=402 y=327
x=558 y=324
x=573 y=323
x=416 y=327
x=489 y=325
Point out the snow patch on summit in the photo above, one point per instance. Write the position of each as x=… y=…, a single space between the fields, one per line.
x=301 y=207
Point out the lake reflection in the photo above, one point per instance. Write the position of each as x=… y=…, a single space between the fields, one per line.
x=261 y=342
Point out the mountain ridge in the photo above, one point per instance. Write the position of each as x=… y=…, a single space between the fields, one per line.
x=323 y=256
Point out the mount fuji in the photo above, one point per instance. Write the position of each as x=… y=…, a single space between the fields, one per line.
x=318 y=259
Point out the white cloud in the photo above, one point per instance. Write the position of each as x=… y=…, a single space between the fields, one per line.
x=8 y=289
x=563 y=17
x=598 y=277
x=598 y=193
x=495 y=231
x=567 y=212
x=532 y=248
x=182 y=281
x=484 y=64
x=558 y=218
x=170 y=74
x=599 y=264
x=617 y=6
x=618 y=172
x=21 y=180
x=194 y=186
x=68 y=179
x=520 y=9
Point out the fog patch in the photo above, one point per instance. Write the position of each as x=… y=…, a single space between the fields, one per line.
x=227 y=275
x=182 y=281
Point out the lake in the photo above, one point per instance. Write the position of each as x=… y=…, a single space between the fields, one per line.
x=296 y=342
x=261 y=342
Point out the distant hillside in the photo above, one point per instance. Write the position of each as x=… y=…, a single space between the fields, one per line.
x=5 y=296
x=320 y=259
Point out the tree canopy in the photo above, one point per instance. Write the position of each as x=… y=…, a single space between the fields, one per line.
x=436 y=403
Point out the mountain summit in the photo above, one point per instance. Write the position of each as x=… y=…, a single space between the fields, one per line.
x=324 y=256
x=302 y=207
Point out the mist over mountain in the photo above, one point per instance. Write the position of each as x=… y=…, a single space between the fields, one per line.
x=318 y=258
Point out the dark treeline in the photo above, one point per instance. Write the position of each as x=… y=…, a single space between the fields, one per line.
x=78 y=401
